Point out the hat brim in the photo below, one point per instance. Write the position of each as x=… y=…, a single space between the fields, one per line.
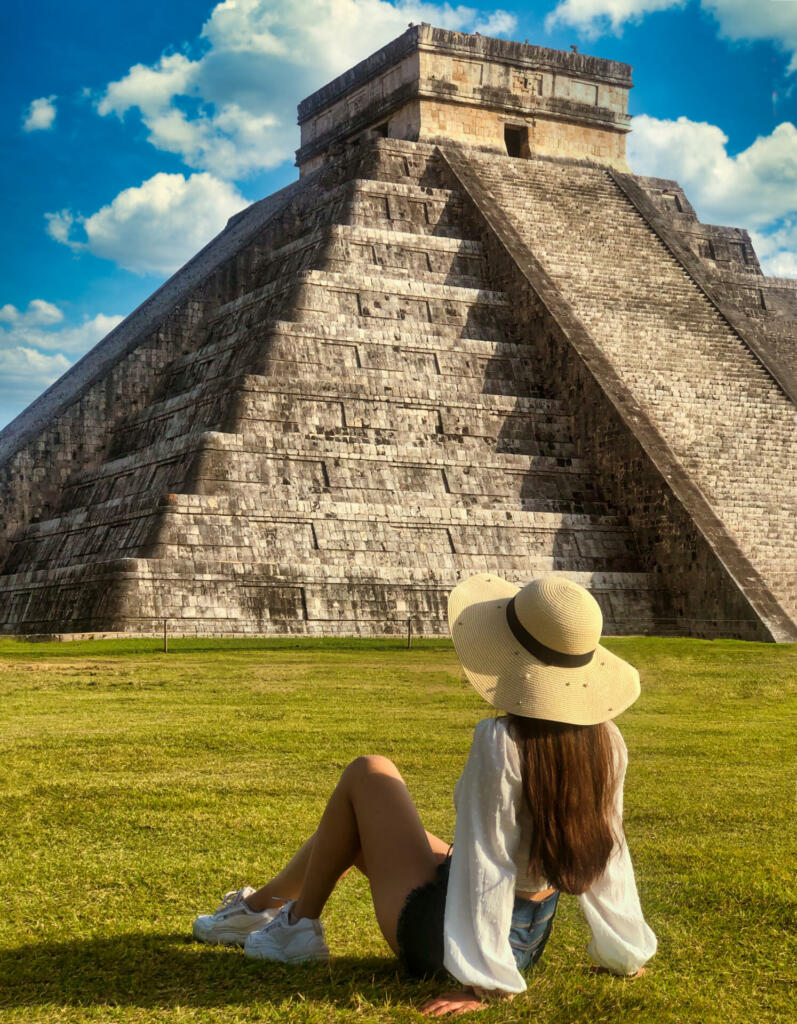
x=509 y=677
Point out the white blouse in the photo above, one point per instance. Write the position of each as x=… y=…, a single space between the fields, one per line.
x=490 y=860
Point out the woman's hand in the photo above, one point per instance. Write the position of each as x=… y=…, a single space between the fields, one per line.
x=462 y=1000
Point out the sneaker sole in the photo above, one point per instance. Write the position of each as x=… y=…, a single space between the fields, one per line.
x=221 y=938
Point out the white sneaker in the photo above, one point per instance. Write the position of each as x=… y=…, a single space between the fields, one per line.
x=288 y=943
x=232 y=921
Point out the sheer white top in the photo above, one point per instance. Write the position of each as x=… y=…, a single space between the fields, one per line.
x=489 y=862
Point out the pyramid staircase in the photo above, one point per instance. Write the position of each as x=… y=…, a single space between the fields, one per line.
x=725 y=417
x=357 y=427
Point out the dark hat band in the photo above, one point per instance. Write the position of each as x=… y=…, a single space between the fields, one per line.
x=539 y=650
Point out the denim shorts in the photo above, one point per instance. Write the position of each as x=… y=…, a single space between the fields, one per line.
x=420 y=927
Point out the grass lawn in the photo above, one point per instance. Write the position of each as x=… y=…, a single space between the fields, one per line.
x=137 y=787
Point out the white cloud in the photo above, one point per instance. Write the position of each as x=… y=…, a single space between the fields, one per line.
x=229 y=143
x=758 y=19
x=777 y=250
x=30 y=331
x=499 y=23
x=149 y=88
x=596 y=17
x=325 y=36
x=755 y=189
x=24 y=374
x=39 y=313
x=232 y=111
x=739 y=20
x=25 y=366
x=59 y=225
x=759 y=184
x=40 y=115
x=34 y=352
x=155 y=227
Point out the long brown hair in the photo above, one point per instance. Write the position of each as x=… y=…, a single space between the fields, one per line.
x=569 y=780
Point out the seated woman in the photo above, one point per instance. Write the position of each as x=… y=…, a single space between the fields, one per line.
x=539 y=812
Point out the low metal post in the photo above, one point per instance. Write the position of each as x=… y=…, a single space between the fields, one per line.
x=409 y=633
x=165 y=639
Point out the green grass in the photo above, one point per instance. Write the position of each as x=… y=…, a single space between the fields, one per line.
x=137 y=787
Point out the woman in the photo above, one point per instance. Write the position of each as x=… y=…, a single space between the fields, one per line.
x=539 y=811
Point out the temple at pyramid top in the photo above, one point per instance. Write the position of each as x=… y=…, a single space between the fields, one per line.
x=433 y=85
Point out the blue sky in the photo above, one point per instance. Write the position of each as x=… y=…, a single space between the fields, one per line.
x=131 y=132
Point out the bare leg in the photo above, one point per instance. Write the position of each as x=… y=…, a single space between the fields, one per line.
x=370 y=820
x=287 y=884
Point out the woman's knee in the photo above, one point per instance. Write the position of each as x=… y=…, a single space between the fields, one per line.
x=369 y=765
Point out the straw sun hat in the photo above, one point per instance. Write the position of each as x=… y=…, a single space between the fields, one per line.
x=534 y=651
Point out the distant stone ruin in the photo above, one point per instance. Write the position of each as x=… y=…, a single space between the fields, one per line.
x=466 y=339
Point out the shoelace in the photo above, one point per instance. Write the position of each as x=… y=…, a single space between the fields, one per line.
x=281 y=918
x=232 y=899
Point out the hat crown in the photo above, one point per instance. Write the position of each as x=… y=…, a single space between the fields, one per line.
x=560 y=614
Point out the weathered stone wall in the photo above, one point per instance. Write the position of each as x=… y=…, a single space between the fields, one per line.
x=389 y=95
x=484 y=128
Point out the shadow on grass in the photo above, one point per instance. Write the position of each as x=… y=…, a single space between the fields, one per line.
x=163 y=970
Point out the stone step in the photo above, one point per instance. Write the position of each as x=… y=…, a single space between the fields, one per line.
x=436 y=451
x=372 y=294
x=361 y=399
x=419 y=286
x=336 y=247
x=292 y=572
x=355 y=234
x=260 y=449
x=374 y=386
x=423 y=485
x=308 y=354
x=357 y=300
x=439 y=560
x=341 y=344
x=452 y=261
x=174 y=533
x=338 y=531
x=117 y=513
x=266 y=265
x=544 y=494
x=289 y=356
x=543 y=431
x=545 y=491
x=286 y=598
x=550 y=438
x=407 y=513
x=75 y=540
x=443 y=337
x=406 y=208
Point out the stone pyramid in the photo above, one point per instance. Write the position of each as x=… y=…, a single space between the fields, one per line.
x=424 y=359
